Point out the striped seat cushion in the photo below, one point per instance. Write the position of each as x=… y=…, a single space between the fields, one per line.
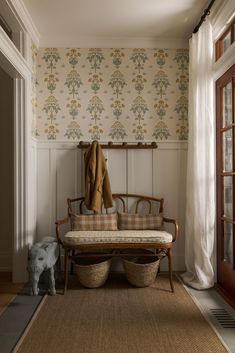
x=136 y=221
x=94 y=222
x=118 y=236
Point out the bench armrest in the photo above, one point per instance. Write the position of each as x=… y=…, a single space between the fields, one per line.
x=58 y=224
x=170 y=220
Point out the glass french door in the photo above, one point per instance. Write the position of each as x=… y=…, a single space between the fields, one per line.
x=225 y=107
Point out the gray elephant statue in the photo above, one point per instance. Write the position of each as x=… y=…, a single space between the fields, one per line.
x=42 y=257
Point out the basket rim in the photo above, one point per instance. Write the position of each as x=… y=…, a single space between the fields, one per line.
x=93 y=264
x=129 y=261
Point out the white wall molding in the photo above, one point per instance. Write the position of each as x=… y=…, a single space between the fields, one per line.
x=220 y=21
x=172 y=145
x=33 y=143
x=109 y=42
x=25 y=18
x=224 y=62
x=222 y=16
x=56 y=145
x=11 y=57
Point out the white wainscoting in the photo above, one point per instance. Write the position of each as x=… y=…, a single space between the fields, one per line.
x=32 y=212
x=159 y=172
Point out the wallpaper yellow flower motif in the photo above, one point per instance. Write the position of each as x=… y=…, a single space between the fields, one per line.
x=110 y=94
x=73 y=83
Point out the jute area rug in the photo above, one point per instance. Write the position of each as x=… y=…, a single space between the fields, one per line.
x=119 y=318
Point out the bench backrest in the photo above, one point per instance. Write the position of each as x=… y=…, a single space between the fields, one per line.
x=155 y=205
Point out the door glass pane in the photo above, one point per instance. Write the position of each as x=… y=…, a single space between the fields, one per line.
x=228 y=197
x=227 y=150
x=227 y=41
x=228 y=242
x=227 y=104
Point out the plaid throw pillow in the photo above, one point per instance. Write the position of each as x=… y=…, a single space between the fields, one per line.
x=94 y=222
x=129 y=221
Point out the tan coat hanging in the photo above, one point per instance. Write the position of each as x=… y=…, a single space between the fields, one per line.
x=97 y=184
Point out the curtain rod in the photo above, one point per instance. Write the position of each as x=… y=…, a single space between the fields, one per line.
x=203 y=17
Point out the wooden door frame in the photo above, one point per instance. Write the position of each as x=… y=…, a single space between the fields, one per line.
x=220 y=83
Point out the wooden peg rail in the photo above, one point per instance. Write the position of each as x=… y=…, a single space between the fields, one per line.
x=124 y=145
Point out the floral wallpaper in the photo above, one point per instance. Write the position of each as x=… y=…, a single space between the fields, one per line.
x=111 y=94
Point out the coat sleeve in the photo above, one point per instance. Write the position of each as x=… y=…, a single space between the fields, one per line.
x=97 y=184
x=107 y=193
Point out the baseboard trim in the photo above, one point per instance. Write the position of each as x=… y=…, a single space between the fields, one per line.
x=229 y=299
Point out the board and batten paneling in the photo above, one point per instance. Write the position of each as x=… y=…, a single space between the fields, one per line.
x=160 y=172
x=32 y=212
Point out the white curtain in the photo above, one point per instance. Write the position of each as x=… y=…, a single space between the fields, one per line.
x=200 y=187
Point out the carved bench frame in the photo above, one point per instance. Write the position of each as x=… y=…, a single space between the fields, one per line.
x=70 y=250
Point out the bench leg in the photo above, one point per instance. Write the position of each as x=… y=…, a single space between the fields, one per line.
x=66 y=251
x=71 y=263
x=169 y=254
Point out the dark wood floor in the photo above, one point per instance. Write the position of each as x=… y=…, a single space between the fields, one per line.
x=8 y=290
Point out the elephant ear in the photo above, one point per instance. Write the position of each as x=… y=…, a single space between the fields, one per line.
x=52 y=250
x=49 y=240
x=45 y=246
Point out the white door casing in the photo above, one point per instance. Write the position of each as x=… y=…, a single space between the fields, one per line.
x=15 y=65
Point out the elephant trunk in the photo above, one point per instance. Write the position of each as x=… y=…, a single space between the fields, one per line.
x=34 y=278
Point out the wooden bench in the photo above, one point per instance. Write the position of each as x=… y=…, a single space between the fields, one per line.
x=119 y=242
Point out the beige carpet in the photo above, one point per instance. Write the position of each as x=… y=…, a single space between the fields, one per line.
x=118 y=318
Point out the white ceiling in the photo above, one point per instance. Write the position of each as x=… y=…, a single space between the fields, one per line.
x=82 y=22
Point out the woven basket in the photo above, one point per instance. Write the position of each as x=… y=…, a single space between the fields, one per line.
x=92 y=272
x=141 y=271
